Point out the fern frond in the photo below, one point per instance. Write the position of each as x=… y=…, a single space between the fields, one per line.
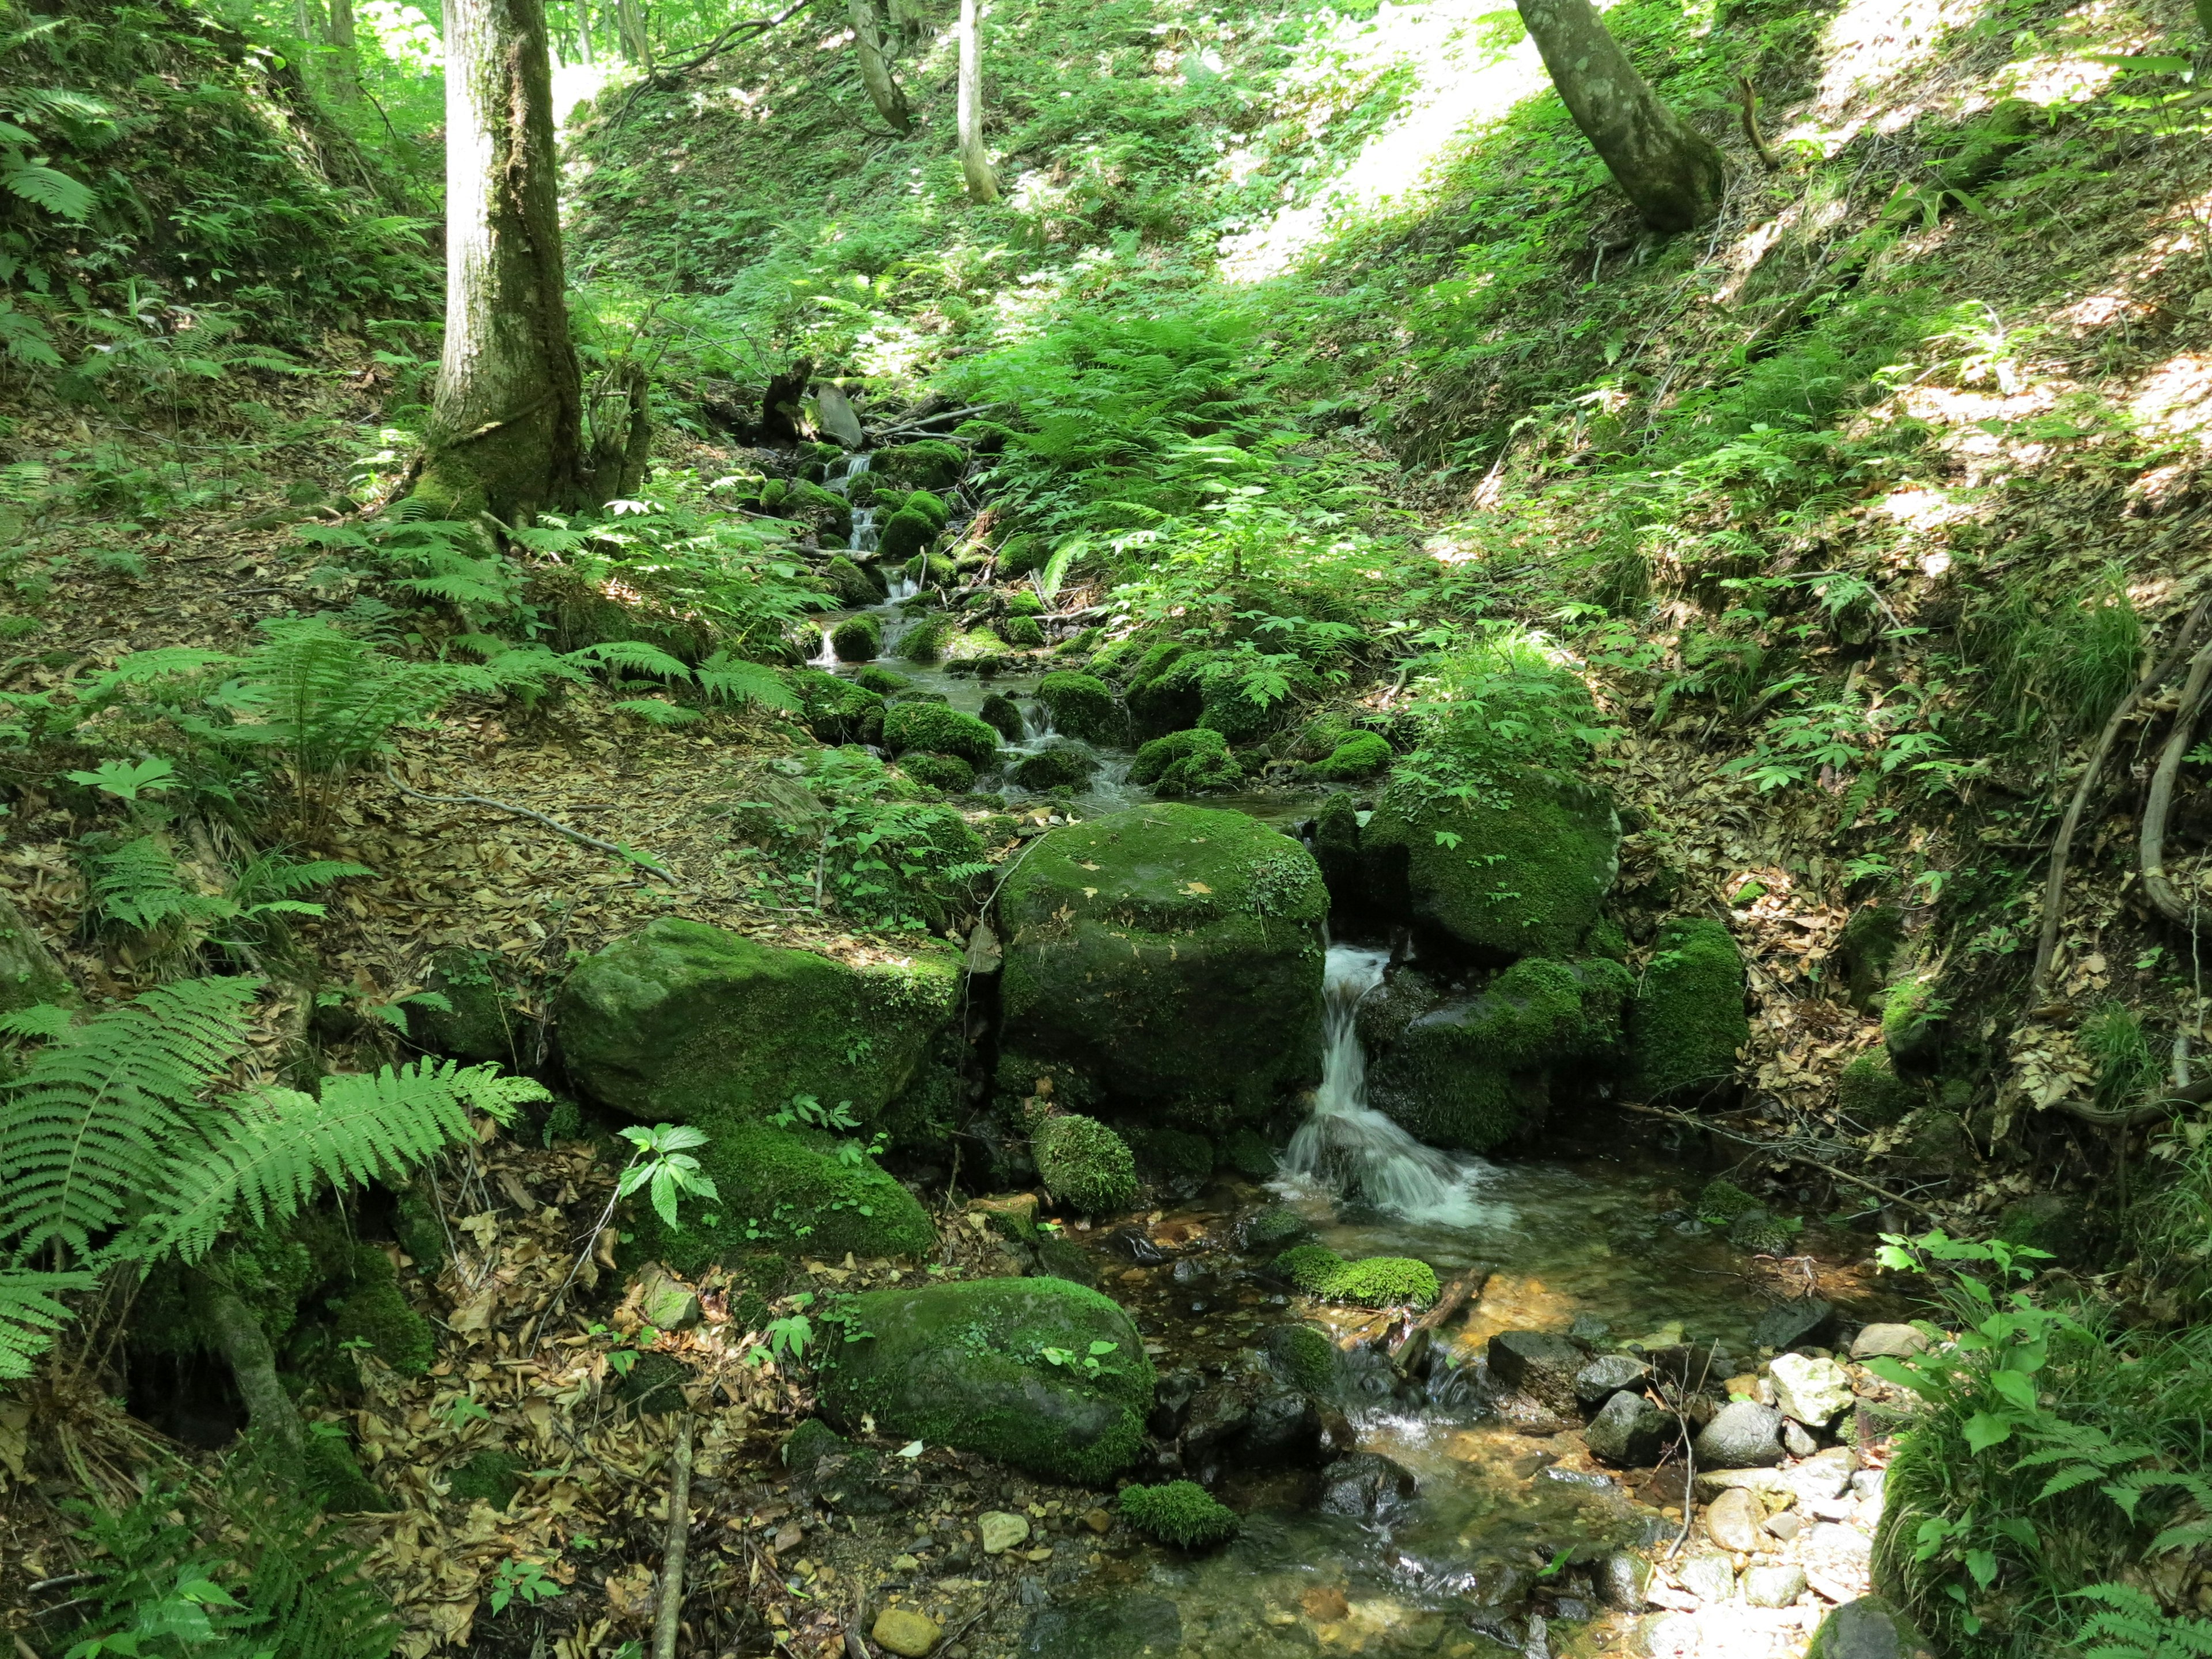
x=138 y=885
x=30 y=1314
x=91 y=1127
x=275 y=1146
x=734 y=680
x=655 y=712
x=633 y=657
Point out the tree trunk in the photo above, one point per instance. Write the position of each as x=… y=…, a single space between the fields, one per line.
x=507 y=423
x=975 y=166
x=584 y=29
x=1673 y=175
x=345 y=56
x=305 y=23
x=273 y=1420
x=630 y=19
x=875 y=68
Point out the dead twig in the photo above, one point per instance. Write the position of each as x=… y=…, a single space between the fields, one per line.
x=676 y=1540
x=1774 y=1149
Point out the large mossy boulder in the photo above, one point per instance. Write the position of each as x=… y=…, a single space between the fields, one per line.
x=1518 y=869
x=681 y=1020
x=1172 y=689
x=939 y=731
x=966 y=1365
x=1186 y=763
x=1474 y=1073
x=1172 y=953
x=1687 y=1020
x=29 y=972
x=1084 y=706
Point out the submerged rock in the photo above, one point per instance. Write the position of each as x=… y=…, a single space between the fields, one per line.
x=1171 y=953
x=1540 y=1365
x=1107 y=1627
x=1366 y=1486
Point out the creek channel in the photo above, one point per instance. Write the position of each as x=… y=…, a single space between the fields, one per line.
x=1592 y=1231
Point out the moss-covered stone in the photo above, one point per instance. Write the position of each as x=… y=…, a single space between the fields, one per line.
x=1518 y=870
x=681 y=1019
x=835 y=709
x=1176 y=1155
x=1172 y=689
x=374 y=1311
x=850 y=584
x=1002 y=716
x=479 y=1022
x=880 y=680
x=1084 y=706
x=654 y=1387
x=1687 y=1020
x=2046 y=1221
x=1053 y=769
x=1021 y=553
x=1383 y=1281
x=1181 y=1513
x=1363 y=755
x=1024 y=602
x=1025 y=632
x=940 y=731
x=795 y=1190
x=29 y=972
x=1872 y=1095
x=1172 y=952
x=924 y=640
x=857 y=639
x=491 y=1476
x=1761 y=1232
x=930 y=464
x=1303 y=1357
x=335 y=1477
x=904 y=535
x=1309 y=1266
x=1275 y=1230
x=946 y=772
x=1186 y=763
x=930 y=505
x=965 y=1365
x=1249 y=1153
x=1084 y=1163
x=1722 y=1202
x=1912 y=1017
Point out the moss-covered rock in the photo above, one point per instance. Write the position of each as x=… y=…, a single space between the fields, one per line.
x=29 y=972
x=1084 y=706
x=793 y=1189
x=1309 y=1266
x=1275 y=1230
x=1249 y=1153
x=1026 y=633
x=966 y=1365
x=930 y=505
x=1687 y=1020
x=1867 y=946
x=1721 y=1203
x=479 y=1022
x=1364 y=754
x=1518 y=870
x=924 y=640
x=2046 y=1221
x=836 y=710
x=1872 y=1095
x=880 y=680
x=929 y=464
x=940 y=731
x=1913 y=1016
x=1383 y=1281
x=1175 y=1155
x=1172 y=689
x=904 y=535
x=850 y=584
x=681 y=1019
x=1024 y=602
x=857 y=639
x=1021 y=553
x=1182 y=1513
x=491 y=1476
x=1173 y=953
x=1053 y=769
x=1002 y=716
x=1084 y=1163
x=1186 y=763
x=1303 y=1357
x=374 y=1311
x=335 y=1477
x=947 y=772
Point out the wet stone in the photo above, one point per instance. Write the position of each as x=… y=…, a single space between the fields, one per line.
x=1542 y=1365
x=1665 y=1635
x=1887 y=1341
x=1606 y=1375
x=1742 y=1435
x=1869 y=1628
x=1365 y=1485
x=1796 y=1440
x=1621 y=1578
x=1110 y=1627
x=1628 y=1432
x=1791 y=1323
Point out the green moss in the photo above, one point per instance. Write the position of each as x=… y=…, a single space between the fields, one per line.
x=850 y=584
x=1872 y=1095
x=1606 y=940
x=1721 y=1201
x=1022 y=554
x=857 y=639
x=491 y=1476
x=946 y=772
x=932 y=463
x=1023 y=631
x=999 y=713
x=940 y=731
x=417 y=1228
x=1084 y=706
x=882 y=681
x=1867 y=944
x=1304 y=1356
x=931 y=507
x=1176 y=1154
x=335 y=1476
x=1275 y=1230
x=905 y=535
x=1383 y=1281
x=835 y=709
x=1361 y=757
x=1687 y=1020
x=790 y=1189
x=2045 y=1221
x=966 y=1365
x=480 y=1022
x=931 y=570
x=1053 y=769
x=1912 y=1020
x=564 y=1121
x=654 y=1386
x=1518 y=870
x=1249 y=1153
x=1022 y=602
x=1182 y=1513
x=1084 y=1163
x=809 y=1444
x=1186 y=763
x=1309 y=1266
x=1760 y=1233
x=374 y=1311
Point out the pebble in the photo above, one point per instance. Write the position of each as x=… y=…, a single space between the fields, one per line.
x=1891 y=1342
x=1099 y=1521
x=907 y=1633
x=1708 y=1577
x=1773 y=1587
x=1001 y=1531
x=1734 y=1521
x=1786 y=1525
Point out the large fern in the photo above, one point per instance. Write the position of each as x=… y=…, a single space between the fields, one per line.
x=30 y=1312
x=329 y=700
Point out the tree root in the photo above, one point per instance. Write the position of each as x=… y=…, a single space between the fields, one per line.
x=2158 y=806
x=676 y=1542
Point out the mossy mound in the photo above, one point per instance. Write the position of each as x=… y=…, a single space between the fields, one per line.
x=1084 y=1163
x=1275 y=1230
x=1174 y=954
x=882 y=682
x=1186 y=763
x=1053 y=769
x=1176 y=1155
x=1364 y=756
x=1182 y=1513
x=924 y=640
x=2046 y=1221
x=1309 y=1266
x=970 y=1366
x=1019 y=555
x=1761 y=1233
x=836 y=710
x=682 y=1020
x=947 y=772
x=1023 y=602
x=903 y=536
x=1172 y=688
x=480 y=1022
x=939 y=731
x=491 y=1476
x=857 y=639
x=850 y=585
x=1687 y=1020
x=1722 y=1202
x=1872 y=1095
x=931 y=464
x=1517 y=871
x=374 y=1311
x=785 y=1189
x=1002 y=716
x=1249 y=1153
x=1376 y=1281
x=334 y=1474
x=1912 y=1022
x=931 y=506
x=1303 y=1357
x=1025 y=632
x=1084 y=706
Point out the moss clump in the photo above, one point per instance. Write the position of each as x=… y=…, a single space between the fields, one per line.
x=1084 y=706
x=491 y=1476
x=416 y=1224
x=905 y=535
x=940 y=731
x=836 y=710
x=1084 y=1163
x=931 y=507
x=1911 y=1021
x=1021 y=554
x=1303 y=1357
x=857 y=639
x=334 y=1474
x=1383 y=1281
x=564 y=1121
x=1185 y=763
x=931 y=463
x=1362 y=756
x=479 y=1022
x=1176 y=1154
x=2045 y=1221
x=1249 y=1153
x=1275 y=1230
x=1687 y=1020
x=1172 y=688
x=1722 y=1202
x=850 y=584
x=809 y=1444
x=1872 y=1095
x=1026 y=632
x=1309 y=1266
x=946 y=772
x=1023 y=602
x=1760 y=1233
x=1053 y=769
x=999 y=713
x=375 y=1312
x=1182 y=1513
x=882 y=681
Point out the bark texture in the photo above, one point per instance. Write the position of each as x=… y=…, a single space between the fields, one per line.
x=507 y=423
x=630 y=19
x=974 y=165
x=884 y=91
x=1671 y=173
x=346 y=55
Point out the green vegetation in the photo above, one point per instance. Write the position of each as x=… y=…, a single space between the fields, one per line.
x=940 y=731
x=1185 y=763
x=1182 y=1513
x=1084 y=1163
x=1380 y=1281
x=1687 y=1021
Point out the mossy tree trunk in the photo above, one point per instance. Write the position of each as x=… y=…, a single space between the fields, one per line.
x=974 y=165
x=346 y=55
x=507 y=423
x=244 y=1347
x=884 y=90
x=1671 y=174
x=629 y=23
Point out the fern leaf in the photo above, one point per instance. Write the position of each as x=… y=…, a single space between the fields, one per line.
x=92 y=1125
x=30 y=1314
x=655 y=712
x=43 y=186
x=734 y=680
x=633 y=657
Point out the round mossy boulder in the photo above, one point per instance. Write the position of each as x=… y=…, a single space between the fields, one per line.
x=930 y=506
x=1084 y=1163
x=1383 y=1281
x=1084 y=706
x=1172 y=952
x=1003 y=716
x=1001 y=1366
x=1687 y=1020
x=1181 y=1513
x=1053 y=769
x=849 y=584
x=947 y=772
x=682 y=1020
x=836 y=710
x=931 y=464
x=1025 y=632
x=1872 y=1095
x=1303 y=1357
x=1024 y=602
x=924 y=640
x=1363 y=755
x=492 y=1476
x=882 y=681
x=857 y=639
x=1517 y=869
x=940 y=731
x=904 y=535
x=375 y=1311
x=1186 y=763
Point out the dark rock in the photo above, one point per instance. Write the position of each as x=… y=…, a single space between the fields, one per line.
x=1743 y=1435
x=1365 y=1485
x=654 y=1386
x=1137 y=1244
x=1172 y=1402
x=1606 y=1376
x=1589 y=1331
x=1792 y=1324
x=1218 y=1416
x=1285 y=1427
x=1869 y=1628
x=1108 y=1627
x=1063 y=1258
x=1542 y=1365
x=1621 y=1578
x=1629 y=1432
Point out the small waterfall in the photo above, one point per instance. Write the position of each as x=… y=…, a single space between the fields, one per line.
x=1346 y=1145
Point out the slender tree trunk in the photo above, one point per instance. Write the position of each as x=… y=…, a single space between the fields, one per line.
x=630 y=19
x=875 y=67
x=583 y=28
x=304 y=23
x=1673 y=175
x=507 y=422
x=975 y=166
x=345 y=56
x=244 y=1346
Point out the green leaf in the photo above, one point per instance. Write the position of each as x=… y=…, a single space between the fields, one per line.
x=1985 y=1430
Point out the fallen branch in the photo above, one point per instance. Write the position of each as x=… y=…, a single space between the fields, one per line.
x=713 y=48
x=1774 y=1149
x=676 y=1541
x=2158 y=806
x=2134 y=1117
x=628 y=854
x=1463 y=1289
x=1749 y=100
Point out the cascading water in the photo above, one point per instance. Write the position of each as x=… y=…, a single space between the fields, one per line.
x=1349 y=1147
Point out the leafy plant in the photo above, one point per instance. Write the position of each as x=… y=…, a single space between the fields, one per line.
x=517 y=1579
x=664 y=1168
